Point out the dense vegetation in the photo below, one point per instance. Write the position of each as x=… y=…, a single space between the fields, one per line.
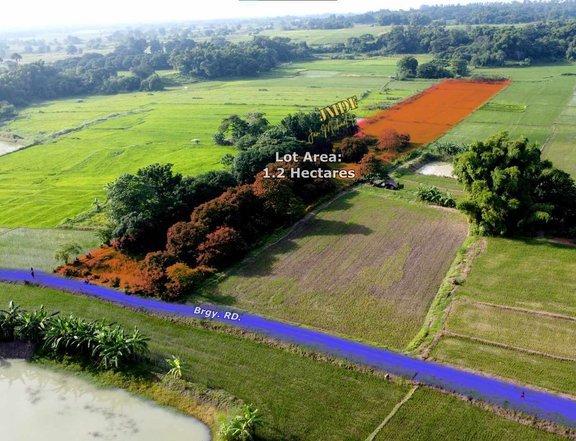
x=108 y=346
x=94 y=73
x=221 y=58
x=511 y=190
x=481 y=46
x=186 y=227
x=142 y=206
x=471 y=14
x=432 y=194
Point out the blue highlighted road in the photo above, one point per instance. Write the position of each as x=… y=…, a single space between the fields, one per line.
x=544 y=405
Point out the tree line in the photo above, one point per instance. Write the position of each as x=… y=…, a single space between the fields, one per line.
x=182 y=228
x=470 y=14
x=481 y=46
x=94 y=73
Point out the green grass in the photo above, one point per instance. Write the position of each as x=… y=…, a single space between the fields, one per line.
x=42 y=185
x=29 y=247
x=535 y=102
x=550 y=335
x=561 y=149
x=429 y=415
x=314 y=37
x=300 y=398
x=366 y=267
x=528 y=274
x=556 y=375
x=413 y=180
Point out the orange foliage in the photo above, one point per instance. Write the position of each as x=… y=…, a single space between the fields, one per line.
x=105 y=266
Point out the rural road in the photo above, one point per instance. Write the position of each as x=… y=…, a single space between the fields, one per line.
x=500 y=393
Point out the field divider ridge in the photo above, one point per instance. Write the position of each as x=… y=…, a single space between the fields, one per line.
x=468 y=300
x=506 y=346
x=393 y=412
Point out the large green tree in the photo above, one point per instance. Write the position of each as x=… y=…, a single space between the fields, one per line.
x=406 y=67
x=511 y=190
x=142 y=206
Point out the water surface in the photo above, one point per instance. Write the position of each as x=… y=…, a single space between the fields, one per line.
x=41 y=404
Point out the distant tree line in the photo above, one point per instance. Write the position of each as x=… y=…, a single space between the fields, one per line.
x=471 y=14
x=221 y=58
x=481 y=46
x=133 y=64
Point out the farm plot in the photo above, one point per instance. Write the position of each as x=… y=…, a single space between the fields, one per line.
x=432 y=113
x=429 y=415
x=110 y=135
x=29 y=247
x=515 y=315
x=528 y=274
x=367 y=267
x=541 y=333
x=538 y=370
x=538 y=104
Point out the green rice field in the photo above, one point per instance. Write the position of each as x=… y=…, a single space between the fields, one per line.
x=33 y=247
x=430 y=415
x=327 y=402
x=538 y=104
x=109 y=135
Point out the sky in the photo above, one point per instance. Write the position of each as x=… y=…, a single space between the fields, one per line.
x=46 y=13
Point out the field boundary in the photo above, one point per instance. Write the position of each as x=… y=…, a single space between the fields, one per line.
x=449 y=333
x=466 y=299
x=305 y=219
x=437 y=316
x=393 y=412
x=55 y=136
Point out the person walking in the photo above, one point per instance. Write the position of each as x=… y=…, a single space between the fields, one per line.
x=32 y=272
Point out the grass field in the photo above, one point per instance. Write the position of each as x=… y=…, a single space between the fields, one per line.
x=316 y=37
x=516 y=328
x=444 y=417
x=42 y=185
x=556 y=375
x=29 y=247
x=367 y=267
x=534 y=276
x=527 y=274
x=300 y=398
x=326 y=401
x=538 y=100
x=560 y=148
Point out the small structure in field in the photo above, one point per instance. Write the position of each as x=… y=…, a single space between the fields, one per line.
x=195 y=141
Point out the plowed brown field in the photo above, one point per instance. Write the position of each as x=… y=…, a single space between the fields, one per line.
x=433 y=112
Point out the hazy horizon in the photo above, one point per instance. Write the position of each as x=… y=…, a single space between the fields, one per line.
x=32 y=14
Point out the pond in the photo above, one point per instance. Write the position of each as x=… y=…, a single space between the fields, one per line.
x=444 y=169
x=39 y=403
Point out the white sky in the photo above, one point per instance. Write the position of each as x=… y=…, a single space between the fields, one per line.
x=45 y=13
